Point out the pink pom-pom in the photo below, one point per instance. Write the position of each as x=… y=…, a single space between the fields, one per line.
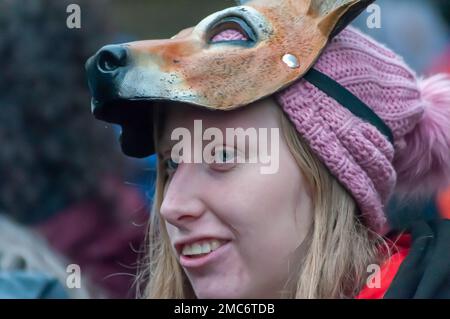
x=423 y=165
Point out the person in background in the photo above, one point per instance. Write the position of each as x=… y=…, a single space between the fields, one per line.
x=60 y=173
x=29 y=269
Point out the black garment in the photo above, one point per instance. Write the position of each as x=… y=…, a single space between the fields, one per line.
x=425 y=272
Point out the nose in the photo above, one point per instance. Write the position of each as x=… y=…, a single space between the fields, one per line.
x=105 y=71
x=182 y=201
x=111 y=58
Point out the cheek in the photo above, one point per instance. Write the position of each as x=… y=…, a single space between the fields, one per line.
x=243 y=199
x=170 y=229
x=263 y=207
x=275 y=211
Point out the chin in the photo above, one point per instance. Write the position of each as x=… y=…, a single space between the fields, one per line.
x=219 y=295
x=217 y=291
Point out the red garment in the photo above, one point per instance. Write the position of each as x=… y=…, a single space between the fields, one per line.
x=444 y=203
x=388 y=270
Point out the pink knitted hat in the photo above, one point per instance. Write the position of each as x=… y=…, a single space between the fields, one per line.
x=363 y=159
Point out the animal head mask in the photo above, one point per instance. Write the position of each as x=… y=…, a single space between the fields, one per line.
x=230 y=59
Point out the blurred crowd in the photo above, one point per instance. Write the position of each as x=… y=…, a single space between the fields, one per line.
x=67 y=194
x=63 y=178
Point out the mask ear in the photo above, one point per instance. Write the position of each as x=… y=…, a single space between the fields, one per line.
x=335 y=15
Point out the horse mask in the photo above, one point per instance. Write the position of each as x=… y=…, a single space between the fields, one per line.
x=230 y=59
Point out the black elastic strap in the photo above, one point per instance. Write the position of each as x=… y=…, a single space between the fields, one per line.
x=348 y=100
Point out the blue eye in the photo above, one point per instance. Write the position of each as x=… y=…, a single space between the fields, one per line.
x=224 y=156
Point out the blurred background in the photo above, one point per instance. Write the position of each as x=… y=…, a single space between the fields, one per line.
x=67 y=194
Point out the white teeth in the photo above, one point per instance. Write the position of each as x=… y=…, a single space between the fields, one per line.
x=215 y=244
x=204 y=247
x=187 y=250
x=196 y=249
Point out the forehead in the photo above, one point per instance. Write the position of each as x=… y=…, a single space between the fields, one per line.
x=261 y=114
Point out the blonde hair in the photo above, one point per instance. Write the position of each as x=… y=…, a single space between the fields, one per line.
x=337 y=250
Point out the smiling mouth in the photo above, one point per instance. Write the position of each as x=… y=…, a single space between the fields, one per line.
x=201 y=248
x=198 y=255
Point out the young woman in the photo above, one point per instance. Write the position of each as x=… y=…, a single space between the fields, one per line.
x=356 y=127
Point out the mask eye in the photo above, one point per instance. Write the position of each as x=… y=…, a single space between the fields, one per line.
x=232 y=30
x=229 y=35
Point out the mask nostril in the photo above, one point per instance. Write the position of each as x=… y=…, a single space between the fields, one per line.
x=112 y=58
